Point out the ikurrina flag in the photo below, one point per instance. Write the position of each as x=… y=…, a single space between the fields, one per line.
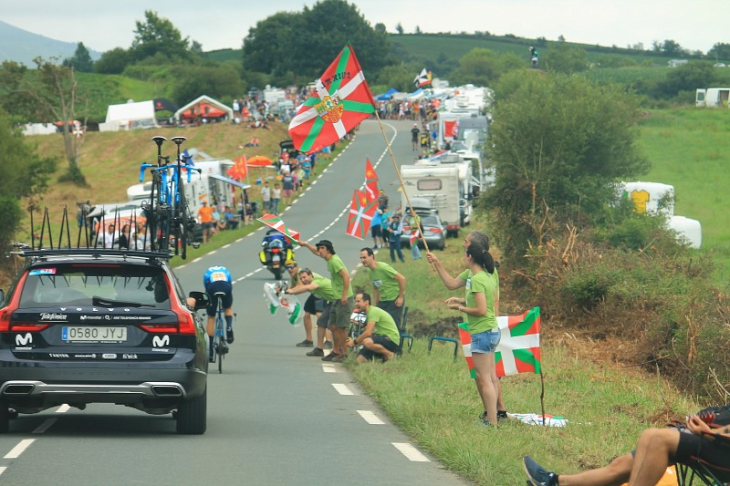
x=275 y=222
x=371 y=180
x=342 y=99
x=362 y=210
x=465 y=338
x=519 y=349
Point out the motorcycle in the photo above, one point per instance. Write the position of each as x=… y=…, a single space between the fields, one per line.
x=274 y=255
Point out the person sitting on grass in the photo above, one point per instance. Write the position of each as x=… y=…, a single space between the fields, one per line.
x=656 y=449
x=380 y=338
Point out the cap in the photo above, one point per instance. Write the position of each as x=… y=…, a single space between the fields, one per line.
x=205 y=202
x=326 y=243
x=290 y=262
x=396 y=215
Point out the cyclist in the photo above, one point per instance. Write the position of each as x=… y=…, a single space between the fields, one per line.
x=218 y=279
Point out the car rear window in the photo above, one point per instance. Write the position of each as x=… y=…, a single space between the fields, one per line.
x=96 y=285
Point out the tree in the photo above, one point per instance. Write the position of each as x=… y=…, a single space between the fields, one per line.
x=558 y=144
x=158 y=35
x=221 y=81
x=566 y=59
x=672 y=48
x=81 y=60
x=687 y=77
x=398 y=76
x=399 y=28
x=417 y=31
x=719 y=52
x=22 y=174
x=267 y=47
x=56 y=96
x=479 y=66
x=114 y=61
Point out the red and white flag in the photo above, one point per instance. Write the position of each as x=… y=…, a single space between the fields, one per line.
x=371 y=180
x=361 y=215
x=415 y=234
x=276 y=222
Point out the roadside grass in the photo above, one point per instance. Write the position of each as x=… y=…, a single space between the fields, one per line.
x=689 y=149
x=432 y=399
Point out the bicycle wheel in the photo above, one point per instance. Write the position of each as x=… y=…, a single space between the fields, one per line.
x=220 y=355
x=181 y=223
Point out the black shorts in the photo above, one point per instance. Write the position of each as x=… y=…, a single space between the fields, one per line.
x=383 y=341
x=376 y=231
x=214 y=287
x=692 y=447
x=313 y=305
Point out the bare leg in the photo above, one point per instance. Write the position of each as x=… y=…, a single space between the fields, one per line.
x=652 y=455
x=377 y=348
x=320 y=336
x=340 y=336
x=485 y=368
x=308 y=326
x=615 y=474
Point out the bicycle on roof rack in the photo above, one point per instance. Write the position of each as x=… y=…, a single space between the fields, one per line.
x=169 y=219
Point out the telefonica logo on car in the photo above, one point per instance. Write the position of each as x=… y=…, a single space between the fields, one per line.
x=22 y=340
x=161 y=342
x=47 y=316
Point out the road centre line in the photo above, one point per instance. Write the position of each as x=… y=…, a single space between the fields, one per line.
x=45 y=426
x=16 y=451
x=370 y=417
x=410 y=452
x=342 y=389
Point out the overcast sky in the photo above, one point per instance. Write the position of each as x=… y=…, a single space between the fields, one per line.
x=102 y=24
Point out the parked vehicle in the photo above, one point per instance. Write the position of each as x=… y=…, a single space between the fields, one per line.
x=439 y=185
x=434 y=231
x=92 y=325
x=713 y=97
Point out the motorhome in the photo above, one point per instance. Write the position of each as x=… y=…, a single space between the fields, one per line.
x=437 y=184
x=713 y=97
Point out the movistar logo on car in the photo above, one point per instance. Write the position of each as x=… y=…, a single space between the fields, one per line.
x=52 y=316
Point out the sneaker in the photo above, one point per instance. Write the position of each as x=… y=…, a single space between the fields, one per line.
x=537 y=476
x=316 y=352
x=487 y=423
x=502 y=415
x=330 y=357
x=375 y=247
x=328 y=345
x=305 y=344
x=229 y=333
x=339 y=358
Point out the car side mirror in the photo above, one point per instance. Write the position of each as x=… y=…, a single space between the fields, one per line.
x=202 y=300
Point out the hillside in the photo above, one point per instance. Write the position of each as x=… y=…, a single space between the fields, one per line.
x=22 y=46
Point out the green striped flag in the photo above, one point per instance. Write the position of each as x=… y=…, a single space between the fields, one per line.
x=519 y=348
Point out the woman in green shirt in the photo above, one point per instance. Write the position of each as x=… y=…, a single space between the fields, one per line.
x=480 y=304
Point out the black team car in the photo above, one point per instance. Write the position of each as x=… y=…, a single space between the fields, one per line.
x=94 y=325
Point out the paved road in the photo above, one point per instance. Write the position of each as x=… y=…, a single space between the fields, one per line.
x=275 y=416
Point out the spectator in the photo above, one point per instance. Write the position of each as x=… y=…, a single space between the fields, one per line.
x=415 y=226
x=231 y=222
x=266 y=197
x=287 y=184
x=380 y=339
x=480 y=304
x=376 y=228
x=395 y=231
x=342 y=306
x=317 y=303
x=124 y=237
x=389 y=286
x=645 y=466
x=275 y=198
x=205 y=218
x=382 y=200
x=110 y=236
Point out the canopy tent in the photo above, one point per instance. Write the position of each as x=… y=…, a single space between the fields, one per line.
x=203 y=107
x=129 y=115
x=416 y=95
x=387 y=95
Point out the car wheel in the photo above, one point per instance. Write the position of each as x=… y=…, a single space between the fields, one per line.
x=192 y=415
x=4 y=418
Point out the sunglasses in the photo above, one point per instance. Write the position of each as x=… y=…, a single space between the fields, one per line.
x=291 y=267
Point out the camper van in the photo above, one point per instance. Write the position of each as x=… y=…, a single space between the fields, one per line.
x=439 y=185
x=712 y=97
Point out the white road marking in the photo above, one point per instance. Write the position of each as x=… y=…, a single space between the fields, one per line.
x=197 y=259
x=2 y=469
x=63 y=408
x=212 y=252
x=410 y=452
x=44 y=426
x=226 y=246
x=329 y=368
x=16 y=451
x=342 y=389
x=370 y=417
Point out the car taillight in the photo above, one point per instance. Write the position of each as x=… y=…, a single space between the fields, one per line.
x=27 y=326
x=434 y=230
x=185 y=321
x=166 y=327
x=406 y=228
x=6 y=313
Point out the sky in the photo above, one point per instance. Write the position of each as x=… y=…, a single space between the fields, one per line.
x=218 y=24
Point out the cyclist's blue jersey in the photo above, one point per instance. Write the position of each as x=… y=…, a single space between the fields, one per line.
x=217 y=274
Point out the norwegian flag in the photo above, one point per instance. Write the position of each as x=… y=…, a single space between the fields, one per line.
x=371 y=180
x=519 y=349
x=341 y=99
x=362 y=210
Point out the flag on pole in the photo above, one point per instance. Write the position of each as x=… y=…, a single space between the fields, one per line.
x=341 y=100
x=422 y=79
x=519 y=349
x=362 y=210
x=276 y=222
x=371 y=181
x=415 y=234
x=234 y=171
x=451 y=128
x=243 y=169
x=465 y=338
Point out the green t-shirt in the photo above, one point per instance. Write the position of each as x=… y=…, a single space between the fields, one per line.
x=334 y=265
x=324 y=288
x=383 y=279
x=384 y=323
x=487 y=284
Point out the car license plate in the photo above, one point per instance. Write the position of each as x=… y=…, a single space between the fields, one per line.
x=92 y=334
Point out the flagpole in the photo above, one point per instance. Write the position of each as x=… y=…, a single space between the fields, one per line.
x=402 y=185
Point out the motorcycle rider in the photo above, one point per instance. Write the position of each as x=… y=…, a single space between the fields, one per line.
x=274 y=239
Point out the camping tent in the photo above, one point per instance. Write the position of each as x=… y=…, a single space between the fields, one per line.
x=387 y=95
x=128 y=116
x=204 y=108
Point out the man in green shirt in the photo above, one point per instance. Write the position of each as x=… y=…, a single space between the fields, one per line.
x=380 y=338
x=389 y=286
x=342 y=306
x=320 y=289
